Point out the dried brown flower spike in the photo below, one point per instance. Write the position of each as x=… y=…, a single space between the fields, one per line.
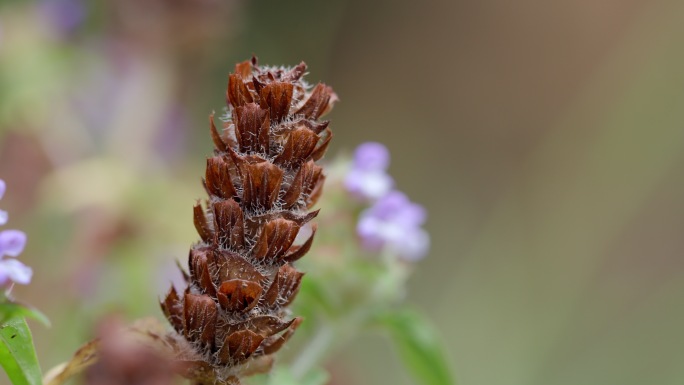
x=261 y=181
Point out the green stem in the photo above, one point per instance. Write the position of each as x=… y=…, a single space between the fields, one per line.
x=314 y=352
x=324 y=339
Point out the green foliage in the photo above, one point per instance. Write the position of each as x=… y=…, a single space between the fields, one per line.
x=17 y=355
x=11 y=310
x=418 y=346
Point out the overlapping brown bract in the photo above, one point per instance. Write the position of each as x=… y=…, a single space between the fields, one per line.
x=261 y=181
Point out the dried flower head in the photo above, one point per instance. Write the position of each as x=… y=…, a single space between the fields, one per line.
x=261 y=182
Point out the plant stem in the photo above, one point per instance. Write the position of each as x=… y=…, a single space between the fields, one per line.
x=314 y=352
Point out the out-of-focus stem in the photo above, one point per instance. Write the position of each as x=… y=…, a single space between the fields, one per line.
x=314 y=352
x=329 y=333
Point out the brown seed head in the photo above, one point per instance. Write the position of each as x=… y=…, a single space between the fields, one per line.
x=261 y=181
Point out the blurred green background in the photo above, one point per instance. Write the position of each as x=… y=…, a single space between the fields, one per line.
x=545 y=138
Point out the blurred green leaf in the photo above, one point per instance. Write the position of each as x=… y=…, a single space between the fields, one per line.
x=418 y=346
x=11 y=310
x=17 y=355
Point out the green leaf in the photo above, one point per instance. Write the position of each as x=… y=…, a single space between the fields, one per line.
x=17 y=355
x=418 y=346
x=10 y=310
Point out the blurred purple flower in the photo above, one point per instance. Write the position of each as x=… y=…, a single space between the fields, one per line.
x=371 y=156
x=368 y=178
x=12 y=243
x=368 y=186
x=15 y=271
x=393 y=223
x=63 y=15
x=396 y=206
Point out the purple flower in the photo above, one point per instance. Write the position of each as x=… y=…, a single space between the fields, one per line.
x=413 y=246
x=368 y=185
x=15 y=271
x=368 y=179
x=393 y=223
x=12 y=243
x=396 y=207
x=371 y=156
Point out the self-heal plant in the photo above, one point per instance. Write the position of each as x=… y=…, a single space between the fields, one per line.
x=262 y=181
x=237 y=307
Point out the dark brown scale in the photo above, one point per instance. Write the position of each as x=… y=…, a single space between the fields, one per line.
x=261 y=180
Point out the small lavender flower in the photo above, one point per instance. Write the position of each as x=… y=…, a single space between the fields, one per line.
x=12 y=243
x=14 y=271
x=393 y=223
x=371 y=156
x=368 y=179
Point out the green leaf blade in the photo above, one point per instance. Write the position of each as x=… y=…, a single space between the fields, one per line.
x=17 y=354
x=418 y=346
x=11 y=310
